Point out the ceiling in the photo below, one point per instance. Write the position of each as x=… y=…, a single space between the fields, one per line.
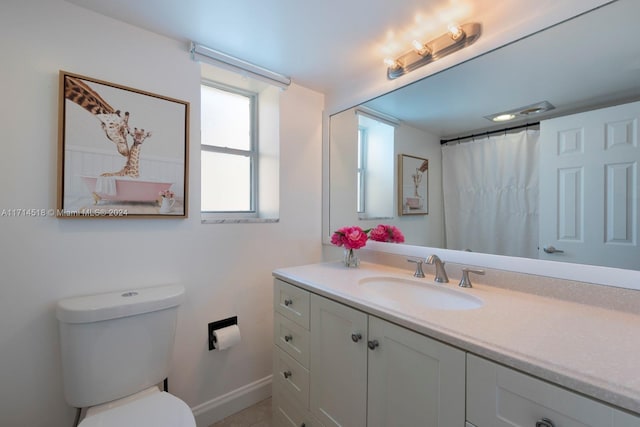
x=325 y=45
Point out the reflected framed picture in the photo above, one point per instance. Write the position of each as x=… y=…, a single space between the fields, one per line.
x=413 y=185
x=122 y=152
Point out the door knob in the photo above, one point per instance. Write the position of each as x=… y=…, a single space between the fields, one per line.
x=287 y=374
x=551 y=250
x=373 y=344
x=544 y=422
x=356 y=337
x=288 y=338
x=288 y=302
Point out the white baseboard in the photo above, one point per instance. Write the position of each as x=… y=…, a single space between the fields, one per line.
x=221 y=407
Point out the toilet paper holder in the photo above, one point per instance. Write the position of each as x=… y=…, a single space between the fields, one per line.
x=214 y=326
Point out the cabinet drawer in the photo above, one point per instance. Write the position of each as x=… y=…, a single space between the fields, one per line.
x=292 y=338
x=499 y=397
x=288 y=413
x=291 y=302
x=290 y=377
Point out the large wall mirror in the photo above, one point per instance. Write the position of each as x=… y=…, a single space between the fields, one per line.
x=544 y=207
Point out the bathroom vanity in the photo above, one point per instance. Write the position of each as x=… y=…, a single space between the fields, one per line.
x=374 y=346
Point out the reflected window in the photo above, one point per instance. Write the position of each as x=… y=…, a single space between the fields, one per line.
x=375 y=168
x=362 y=161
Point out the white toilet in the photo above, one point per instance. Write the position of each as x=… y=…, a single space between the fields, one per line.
x=116 y=349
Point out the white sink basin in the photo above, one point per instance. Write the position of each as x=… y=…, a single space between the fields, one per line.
x=398 y=293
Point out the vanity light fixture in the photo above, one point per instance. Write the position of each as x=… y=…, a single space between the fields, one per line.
x=521 y=112
x=457 y=37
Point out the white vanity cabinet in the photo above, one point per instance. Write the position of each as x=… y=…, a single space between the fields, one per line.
x=501 y=397
x=291 y=357
x=366 y=371
x=338 y=363
x=337 y=366
x=413 y=380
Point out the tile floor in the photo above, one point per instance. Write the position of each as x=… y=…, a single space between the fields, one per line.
x=258 y=415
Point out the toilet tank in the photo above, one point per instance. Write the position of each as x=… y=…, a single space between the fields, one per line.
x=116 y=344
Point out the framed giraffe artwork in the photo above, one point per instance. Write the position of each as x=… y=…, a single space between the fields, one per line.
x=413 y=185
x=122 y=152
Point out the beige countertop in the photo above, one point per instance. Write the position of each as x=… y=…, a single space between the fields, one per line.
x=588 y=348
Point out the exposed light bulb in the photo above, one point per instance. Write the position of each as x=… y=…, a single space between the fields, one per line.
x=391 y=63
x=455 y=31
x=420 y=48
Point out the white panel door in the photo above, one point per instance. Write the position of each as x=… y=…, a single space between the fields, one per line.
x=413 y=380
x=589 y=187
x=338 y=364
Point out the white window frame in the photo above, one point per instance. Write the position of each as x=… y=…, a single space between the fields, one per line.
x=362 y=169
x=252 y=153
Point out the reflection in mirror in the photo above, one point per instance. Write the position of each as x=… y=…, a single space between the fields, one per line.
x=375 y=168
x=588 y=63
x=413 y=189
x=426 y=230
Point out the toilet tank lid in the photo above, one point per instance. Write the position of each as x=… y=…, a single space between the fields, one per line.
x=112 y=305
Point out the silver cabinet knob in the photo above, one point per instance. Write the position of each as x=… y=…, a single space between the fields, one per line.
x=287 y=374
x=288 y=302
x=544 y=422
x=373 y=344
x=288 y=338
x=356 y=337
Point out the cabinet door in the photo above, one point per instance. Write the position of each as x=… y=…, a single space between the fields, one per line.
x=338 y=364
x=413 y=380
x=501 y=397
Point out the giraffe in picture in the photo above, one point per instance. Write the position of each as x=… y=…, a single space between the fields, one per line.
x=132 y=167
x=115 y=126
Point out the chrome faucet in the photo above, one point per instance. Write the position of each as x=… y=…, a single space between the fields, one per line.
x=418 y=261
x=441 y=274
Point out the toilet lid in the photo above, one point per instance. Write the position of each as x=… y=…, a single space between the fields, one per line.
x=155 y=410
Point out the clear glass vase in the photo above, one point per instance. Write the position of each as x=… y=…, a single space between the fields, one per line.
x=351 y=258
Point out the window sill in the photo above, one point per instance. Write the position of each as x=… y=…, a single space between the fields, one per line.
x=240 y=221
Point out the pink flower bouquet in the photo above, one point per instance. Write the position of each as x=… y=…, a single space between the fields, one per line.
x=386 y=233
x=350 y=237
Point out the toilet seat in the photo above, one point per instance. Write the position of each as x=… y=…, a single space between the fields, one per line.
x=159 y=409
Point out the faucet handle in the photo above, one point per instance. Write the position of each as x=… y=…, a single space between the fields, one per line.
x=465 y=282
x=418 y=262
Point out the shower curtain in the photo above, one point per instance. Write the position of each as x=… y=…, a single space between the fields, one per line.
x=490 y=189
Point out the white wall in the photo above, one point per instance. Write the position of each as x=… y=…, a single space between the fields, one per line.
x=225 y=268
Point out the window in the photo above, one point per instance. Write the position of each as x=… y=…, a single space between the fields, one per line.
x=375 y=168
x=240 y=148
x=362 y=161
x=229 y=151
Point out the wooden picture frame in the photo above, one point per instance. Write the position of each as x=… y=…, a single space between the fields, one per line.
x=413 y=185
x=122 y=152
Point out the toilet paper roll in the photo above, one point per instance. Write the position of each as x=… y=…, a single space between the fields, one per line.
x=226 y=337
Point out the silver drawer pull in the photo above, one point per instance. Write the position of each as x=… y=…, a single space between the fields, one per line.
x=356 y=337
x=288 y=302
x=544 y=422
x=288 y=338
x=373 y=344
x=287 y=374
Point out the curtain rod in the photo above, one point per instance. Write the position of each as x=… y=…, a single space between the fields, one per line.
x=491 y=132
